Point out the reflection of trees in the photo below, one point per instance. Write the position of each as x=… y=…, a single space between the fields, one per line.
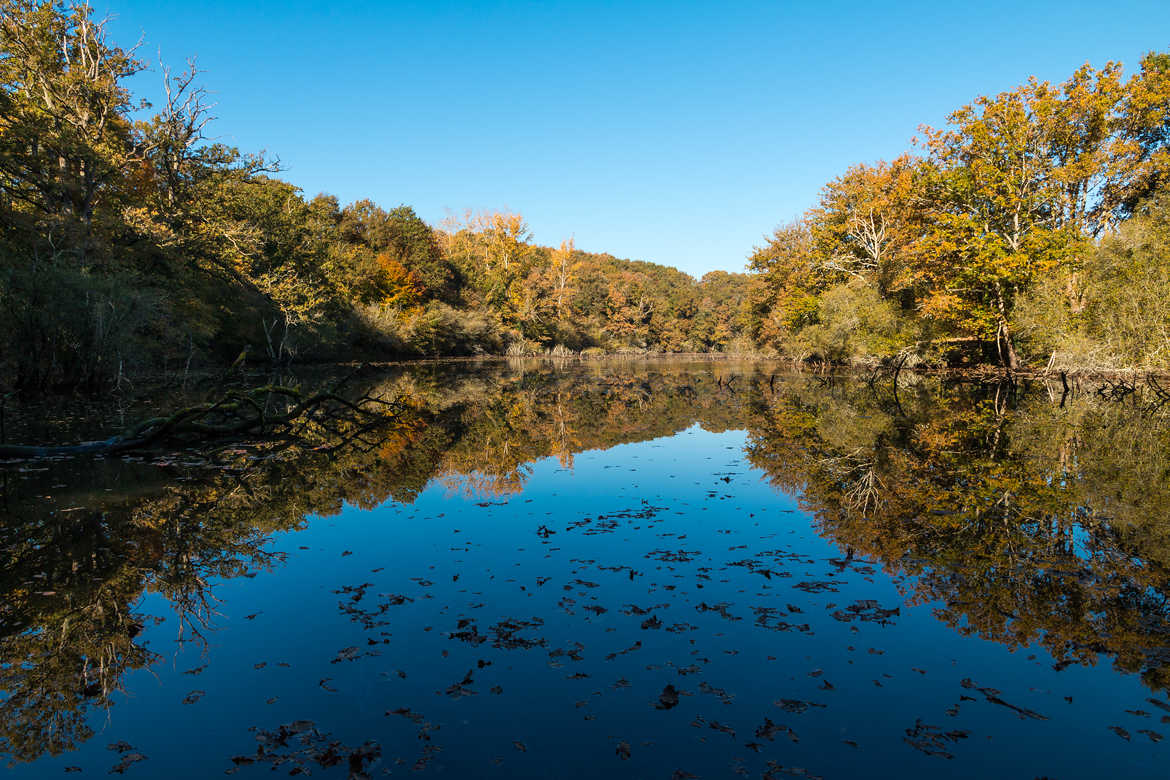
x=70 y=587
x=67 y=625
x=482 y=431
x=70 y=583
x=1026 y=520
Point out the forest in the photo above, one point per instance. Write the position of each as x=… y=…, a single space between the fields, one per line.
x=1031 y=232
x=130 y=242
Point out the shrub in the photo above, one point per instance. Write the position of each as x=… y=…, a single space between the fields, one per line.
x=854 y=325
x=433 y=329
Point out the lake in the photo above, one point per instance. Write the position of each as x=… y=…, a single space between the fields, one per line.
x=643 y=569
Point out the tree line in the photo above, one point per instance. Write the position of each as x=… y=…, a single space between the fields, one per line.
x=131 y=241
x=1033 y=230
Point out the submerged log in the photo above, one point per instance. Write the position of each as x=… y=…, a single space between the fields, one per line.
x=236 y=414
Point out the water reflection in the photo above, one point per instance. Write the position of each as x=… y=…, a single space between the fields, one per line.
x=1022 y=517
x=1027 y=520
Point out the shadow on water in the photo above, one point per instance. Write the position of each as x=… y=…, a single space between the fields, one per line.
x=498 y=533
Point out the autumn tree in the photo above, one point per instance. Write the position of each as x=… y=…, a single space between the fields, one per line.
x=866 y=221
x=629 y=307
x=403 y=237
x=561 y=271
x=787 y=283
x=66 y=140
x=1141 y=159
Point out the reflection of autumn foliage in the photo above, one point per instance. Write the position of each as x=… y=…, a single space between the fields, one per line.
x=1025 y=520
x=71 y=581
x=1021 y=520
x=394 y=444
x=66 y=645
x=68 y=584
x=498 y=424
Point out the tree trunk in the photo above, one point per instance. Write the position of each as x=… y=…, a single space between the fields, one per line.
x=1007 y=350
x=1003 y=336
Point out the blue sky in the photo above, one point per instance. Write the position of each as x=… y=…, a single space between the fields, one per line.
x=675 y=132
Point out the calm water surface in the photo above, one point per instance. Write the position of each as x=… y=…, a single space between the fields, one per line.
x=637 y=570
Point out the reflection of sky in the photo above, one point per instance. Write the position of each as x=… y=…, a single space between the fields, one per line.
x=497 y=555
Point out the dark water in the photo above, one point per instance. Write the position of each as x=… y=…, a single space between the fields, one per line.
x=636 y=570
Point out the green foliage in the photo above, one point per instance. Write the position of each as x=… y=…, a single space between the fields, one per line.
x=1115 y=312
x=855 y=325
x=74 y=328
x=405 y=239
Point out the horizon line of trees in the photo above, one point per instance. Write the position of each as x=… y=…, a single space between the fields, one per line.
x=1032 y=231
x=130 y=241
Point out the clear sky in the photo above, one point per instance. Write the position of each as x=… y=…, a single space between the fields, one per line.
x=677 y=132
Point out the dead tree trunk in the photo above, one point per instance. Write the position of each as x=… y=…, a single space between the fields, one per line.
x=235 y=415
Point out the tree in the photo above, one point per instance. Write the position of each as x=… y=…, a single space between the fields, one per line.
x=1141 y=159
x=787 y=284
x=405 y=238
x=491 y=250
x=561 y=265
x=866 y=221
x=998 y=209
x=65 y=137
x=629 y=307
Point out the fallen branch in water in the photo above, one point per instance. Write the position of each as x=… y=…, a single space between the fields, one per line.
x=236 y=414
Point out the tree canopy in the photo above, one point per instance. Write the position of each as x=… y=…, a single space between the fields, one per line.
x=942 y=254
